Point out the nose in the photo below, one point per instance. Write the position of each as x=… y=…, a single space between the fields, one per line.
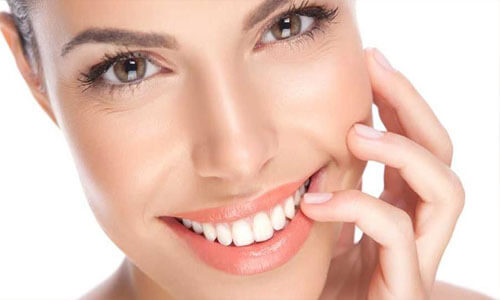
x=234 y=134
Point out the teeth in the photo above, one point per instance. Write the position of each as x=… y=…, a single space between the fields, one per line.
x=209 y=231
x=223 y=234
x=187 y=223
x=242 y=233
x=257 y=228
x=297 y=196
x=289 y=208
x=262 y=227
x=302 y=190
x=197 y=227
x=278 y=217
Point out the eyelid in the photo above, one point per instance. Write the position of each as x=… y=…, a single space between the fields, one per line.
x=325 y=15
x=157 y=69
x=108 y=61
x=292 y=9
x=267 y=25
x=319 y=12
x=306 y=28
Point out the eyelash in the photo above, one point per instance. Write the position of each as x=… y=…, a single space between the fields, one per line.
x=321 y=14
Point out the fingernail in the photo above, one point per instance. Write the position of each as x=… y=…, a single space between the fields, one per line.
x=367 y=131
x=316 y=197
x=382 y=60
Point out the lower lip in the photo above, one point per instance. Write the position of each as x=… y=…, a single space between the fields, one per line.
x=255 y=258
x=246 y=260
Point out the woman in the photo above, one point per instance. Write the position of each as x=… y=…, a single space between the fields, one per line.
x=223 y=152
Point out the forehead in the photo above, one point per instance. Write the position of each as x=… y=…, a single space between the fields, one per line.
x=187 y=24
x=191 y=20
x=145 y=13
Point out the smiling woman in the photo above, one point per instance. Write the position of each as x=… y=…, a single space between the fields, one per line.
x=220 y=145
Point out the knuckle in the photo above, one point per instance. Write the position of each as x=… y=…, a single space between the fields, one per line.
x=356 y=200
x=447 y=149
x=404 y=226
x=394 y=140
x=408 y=85
x=405 y=82
x=457 y=191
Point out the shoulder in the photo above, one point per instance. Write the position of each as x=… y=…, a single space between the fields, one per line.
x=443 y=290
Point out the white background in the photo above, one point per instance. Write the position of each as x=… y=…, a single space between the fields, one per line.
x=52 y=248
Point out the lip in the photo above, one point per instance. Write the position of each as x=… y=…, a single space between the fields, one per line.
x=251 y=259
x=244 y=207
x=257 y=257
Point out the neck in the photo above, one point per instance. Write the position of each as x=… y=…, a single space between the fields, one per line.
x=141 y=285
x=129 y=283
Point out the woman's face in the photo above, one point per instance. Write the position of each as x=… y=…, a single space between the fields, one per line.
x=226 y=113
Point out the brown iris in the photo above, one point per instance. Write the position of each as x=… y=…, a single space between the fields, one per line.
x=130 y=69
x=289 y=22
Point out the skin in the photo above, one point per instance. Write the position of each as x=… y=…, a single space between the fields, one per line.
x=245 y=125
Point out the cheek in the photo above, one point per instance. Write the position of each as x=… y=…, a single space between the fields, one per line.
x=321 y=97
x=120 y=160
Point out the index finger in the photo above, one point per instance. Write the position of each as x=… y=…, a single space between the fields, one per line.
x=414 y=115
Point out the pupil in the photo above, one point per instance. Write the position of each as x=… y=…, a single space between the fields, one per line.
x=285 y=23
x=131 y=66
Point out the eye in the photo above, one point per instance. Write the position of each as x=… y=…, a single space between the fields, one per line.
x=130 y=69
x=288 y=26
x=298 y=23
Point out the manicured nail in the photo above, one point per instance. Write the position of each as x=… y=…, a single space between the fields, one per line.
x=382 y=60
x=316 y=197
x=367 y=131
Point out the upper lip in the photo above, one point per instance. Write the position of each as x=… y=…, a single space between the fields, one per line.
x=244 y=207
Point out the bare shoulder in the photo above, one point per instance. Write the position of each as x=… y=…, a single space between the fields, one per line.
x=443 y=290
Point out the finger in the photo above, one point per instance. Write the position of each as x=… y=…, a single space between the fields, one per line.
x=435 y=183
x=415 y=117
x=345 y=240
x=389 y=226
x=387 y=115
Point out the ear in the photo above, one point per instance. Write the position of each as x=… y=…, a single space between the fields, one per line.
x=33 y=78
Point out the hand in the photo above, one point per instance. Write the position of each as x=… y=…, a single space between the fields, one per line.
x=406 y=229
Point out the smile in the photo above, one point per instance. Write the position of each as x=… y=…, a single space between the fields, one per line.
x=257 y=228
x=249 y=236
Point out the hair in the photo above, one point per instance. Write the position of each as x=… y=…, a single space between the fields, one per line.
x=21 y=12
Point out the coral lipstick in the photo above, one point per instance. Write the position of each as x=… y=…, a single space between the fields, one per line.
x=243 y=207
x=252 y=258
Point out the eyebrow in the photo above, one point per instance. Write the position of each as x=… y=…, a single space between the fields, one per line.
x=126 y=37
x=264 y=9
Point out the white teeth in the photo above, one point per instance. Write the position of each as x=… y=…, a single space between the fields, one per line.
x=289 y=208
x=257 y=228
x=242 y=233
x=197 y=227
x=223 y=234
x=262 y=228
x=296 y=197
x=300 y=192
x=278 y=217
x=187 y=223
x=209 y=231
